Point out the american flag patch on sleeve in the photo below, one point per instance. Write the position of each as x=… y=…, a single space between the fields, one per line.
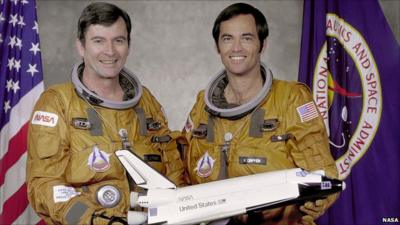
x=307 y=111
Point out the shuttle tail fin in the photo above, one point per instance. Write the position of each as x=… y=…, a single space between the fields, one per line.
x=142 y=173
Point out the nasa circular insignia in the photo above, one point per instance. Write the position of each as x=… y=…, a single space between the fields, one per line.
x=108 y=196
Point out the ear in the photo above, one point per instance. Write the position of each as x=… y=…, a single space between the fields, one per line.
x=264 y=46
x=80 y=48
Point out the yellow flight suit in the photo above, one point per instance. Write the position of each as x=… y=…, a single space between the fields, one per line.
x=285 y=142
x=67 y=163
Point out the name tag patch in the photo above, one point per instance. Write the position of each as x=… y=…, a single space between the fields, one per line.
x=253 y=160
x=81 y=123
x=152 y=158
x=63 y=193
x=45 y=119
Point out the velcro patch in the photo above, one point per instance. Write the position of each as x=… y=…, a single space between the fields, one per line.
x=45 y=119
x=152 y=158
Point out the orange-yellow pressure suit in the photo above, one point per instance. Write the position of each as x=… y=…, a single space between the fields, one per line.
x=275 y=135
x=71 y=155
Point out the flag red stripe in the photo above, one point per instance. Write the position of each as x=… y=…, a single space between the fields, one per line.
x=41 y=222
x=14 y=206
x=16 y=148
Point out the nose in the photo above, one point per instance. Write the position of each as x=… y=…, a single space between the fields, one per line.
x=109 y=48
x=237 y=45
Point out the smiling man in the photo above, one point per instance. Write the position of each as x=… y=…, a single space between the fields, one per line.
x=73 y=175
x=246 y=122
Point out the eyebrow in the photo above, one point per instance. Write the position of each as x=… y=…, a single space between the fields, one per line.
x=100 y=37
x=248 y=34
x=230 y=35
x=123 y=37
x=226 y=35
x=96 y=37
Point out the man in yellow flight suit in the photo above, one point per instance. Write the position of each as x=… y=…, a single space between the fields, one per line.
x=246 y=122
x=73 y=175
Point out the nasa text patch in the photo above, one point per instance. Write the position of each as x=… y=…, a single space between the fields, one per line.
x=45 y=119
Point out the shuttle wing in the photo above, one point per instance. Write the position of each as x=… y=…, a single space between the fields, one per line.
x=142 y=173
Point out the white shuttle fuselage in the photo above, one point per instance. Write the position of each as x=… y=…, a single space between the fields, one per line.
x=168 y=204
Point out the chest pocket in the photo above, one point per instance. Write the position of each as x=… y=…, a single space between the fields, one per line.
x=93 y=163
x=264 y=149
x=147 y=125
x=92 y=147
x=205 y=157
x=150 y=155
x=142 y=147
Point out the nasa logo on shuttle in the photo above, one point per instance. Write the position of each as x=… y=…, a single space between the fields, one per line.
x=205 y=166
x=347 y=92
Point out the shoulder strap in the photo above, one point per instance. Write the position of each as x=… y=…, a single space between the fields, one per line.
x=142 y=120
x=210 y=128
x=256 y=121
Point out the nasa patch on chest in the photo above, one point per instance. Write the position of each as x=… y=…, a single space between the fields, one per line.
x=98 y=160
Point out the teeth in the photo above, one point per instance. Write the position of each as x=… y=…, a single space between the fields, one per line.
x=108 y=61
x=237 y=57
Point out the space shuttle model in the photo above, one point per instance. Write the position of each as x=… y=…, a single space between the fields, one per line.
x=168 y=204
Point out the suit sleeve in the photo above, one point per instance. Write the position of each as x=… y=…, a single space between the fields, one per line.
x=309 y=146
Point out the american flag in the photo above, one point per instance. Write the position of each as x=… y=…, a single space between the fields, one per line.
x=307 y=111
x=21 y=82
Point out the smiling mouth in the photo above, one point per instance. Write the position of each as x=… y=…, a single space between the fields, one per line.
x=237 y=58
x=108 y=61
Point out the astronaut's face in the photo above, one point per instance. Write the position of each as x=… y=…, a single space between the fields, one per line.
x=239 y=45
x=105 y=49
